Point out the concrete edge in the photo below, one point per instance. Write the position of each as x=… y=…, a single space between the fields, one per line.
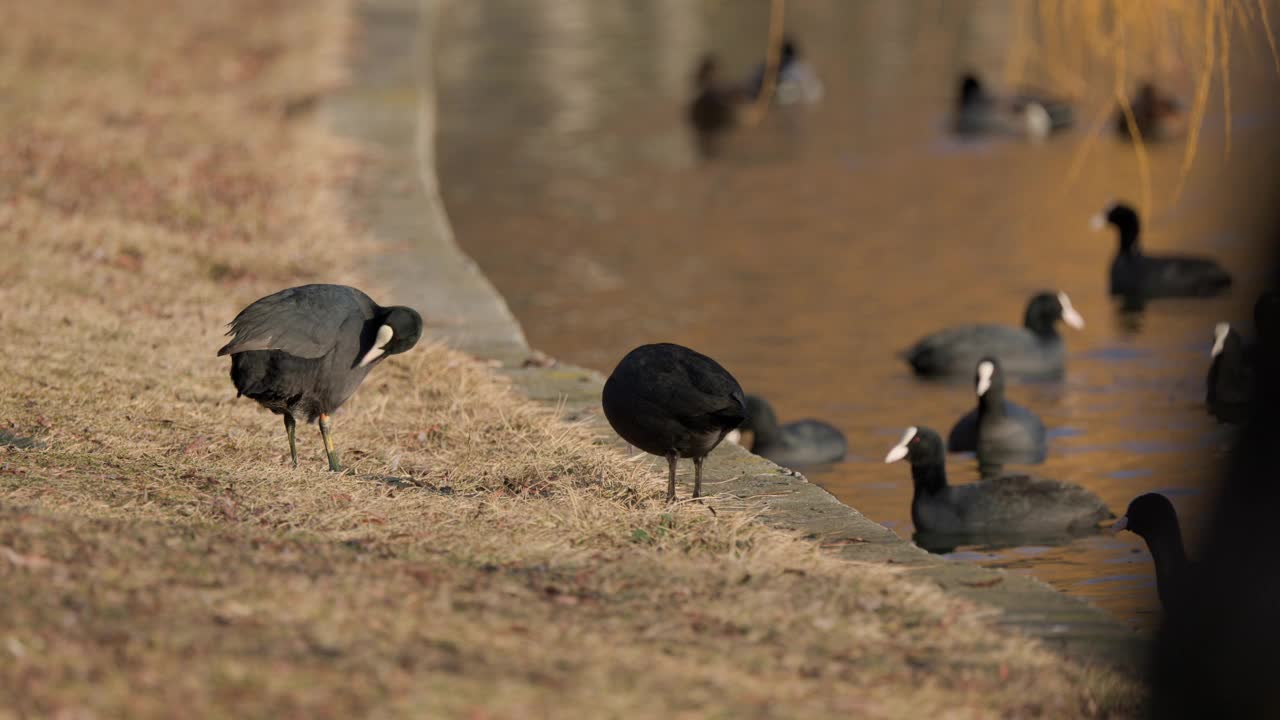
x=390 y=105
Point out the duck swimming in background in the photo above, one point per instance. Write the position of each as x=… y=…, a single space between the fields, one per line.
x=714 y=110
x=1136 y=274
x=796 y=81
x=979 y=112
x=1156 y=116
x=801 y=442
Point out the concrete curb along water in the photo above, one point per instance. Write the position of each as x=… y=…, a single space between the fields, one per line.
x=390 y=107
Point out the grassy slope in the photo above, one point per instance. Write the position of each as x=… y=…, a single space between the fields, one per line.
x=159 y=556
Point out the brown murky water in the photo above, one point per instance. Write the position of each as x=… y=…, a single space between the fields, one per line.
x=828 y=239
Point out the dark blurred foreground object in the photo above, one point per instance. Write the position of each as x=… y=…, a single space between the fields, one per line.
x=714 y=110
x=1152 y=517
x=1156 y=116
x=1004 y=505
x=795 y=81
x=1216 y=657
x=673 y=402
x=978 y=112
x=303 y=351
x=1033 y=351
x=998 y=431
x=1135 y=274
x=802 y=442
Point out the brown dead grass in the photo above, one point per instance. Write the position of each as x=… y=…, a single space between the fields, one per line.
x=159 y=558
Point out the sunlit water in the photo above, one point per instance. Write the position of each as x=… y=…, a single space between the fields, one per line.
x=827 y=240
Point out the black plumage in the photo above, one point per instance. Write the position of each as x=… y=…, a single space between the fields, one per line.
x=800 y=442
x=1153 y=518
x=1136 y=275
x=714 y=109
x=998 y=431
x=303 y=351
x=673 y=402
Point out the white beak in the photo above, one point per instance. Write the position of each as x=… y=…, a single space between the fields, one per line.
x=1219 y=338
x=899 y=451
x=1069 y=314
x=985 y=371
x=379 y=346
x=1098 y=222
x=733 y=437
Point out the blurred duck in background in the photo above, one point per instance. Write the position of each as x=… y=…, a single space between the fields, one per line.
x=796 y=82
x=1156 y=115
x=714 y=109
x=1028 y=114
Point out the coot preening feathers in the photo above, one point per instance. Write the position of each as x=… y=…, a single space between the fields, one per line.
x=304 y=350
x=673 y=402
x=1008 y=504
x=997 y=430
x=1032 y=351
x=1153 y=518
x=1135 y=274
x=802 y=442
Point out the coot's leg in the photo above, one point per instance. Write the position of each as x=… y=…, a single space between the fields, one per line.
x=671 y=477
x=289 y=425
x=328 y=444
x=697 y=475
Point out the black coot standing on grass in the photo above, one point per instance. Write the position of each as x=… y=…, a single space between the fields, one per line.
x=801 y=442
x=1004 y=505
x=673 y=402
x=1134 y=274
x=304 y=350
x=1033 y=351
x=1153 y=518
x=997 y=430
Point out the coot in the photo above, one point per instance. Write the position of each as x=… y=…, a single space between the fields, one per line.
x=673 y=402
x=1230 y=384
x=1135 y=274
x=1007 y=504
x=802 y=442
x=999 y=431
x=1032 y=351
x=1153 y=518
x=304 y=350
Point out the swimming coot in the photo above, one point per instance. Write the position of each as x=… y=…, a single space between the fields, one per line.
x=1007 y=504
x=675 y=403
x=1032 y=351
x=1156 y=115
x=1134 y=274
x=713 y=111
x=997 y=430
x=1153 y=518
x=802 y=442
x=1230 y=383
x=303 y=351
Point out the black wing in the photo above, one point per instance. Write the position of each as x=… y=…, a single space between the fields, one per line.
x=303 y=321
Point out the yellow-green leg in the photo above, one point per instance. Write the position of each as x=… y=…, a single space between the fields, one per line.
x=289 y=425
x=328 y=444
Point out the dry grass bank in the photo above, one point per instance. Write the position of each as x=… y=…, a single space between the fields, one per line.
x=158 y=557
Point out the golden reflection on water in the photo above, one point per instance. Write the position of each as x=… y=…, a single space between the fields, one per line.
x=826 y=241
